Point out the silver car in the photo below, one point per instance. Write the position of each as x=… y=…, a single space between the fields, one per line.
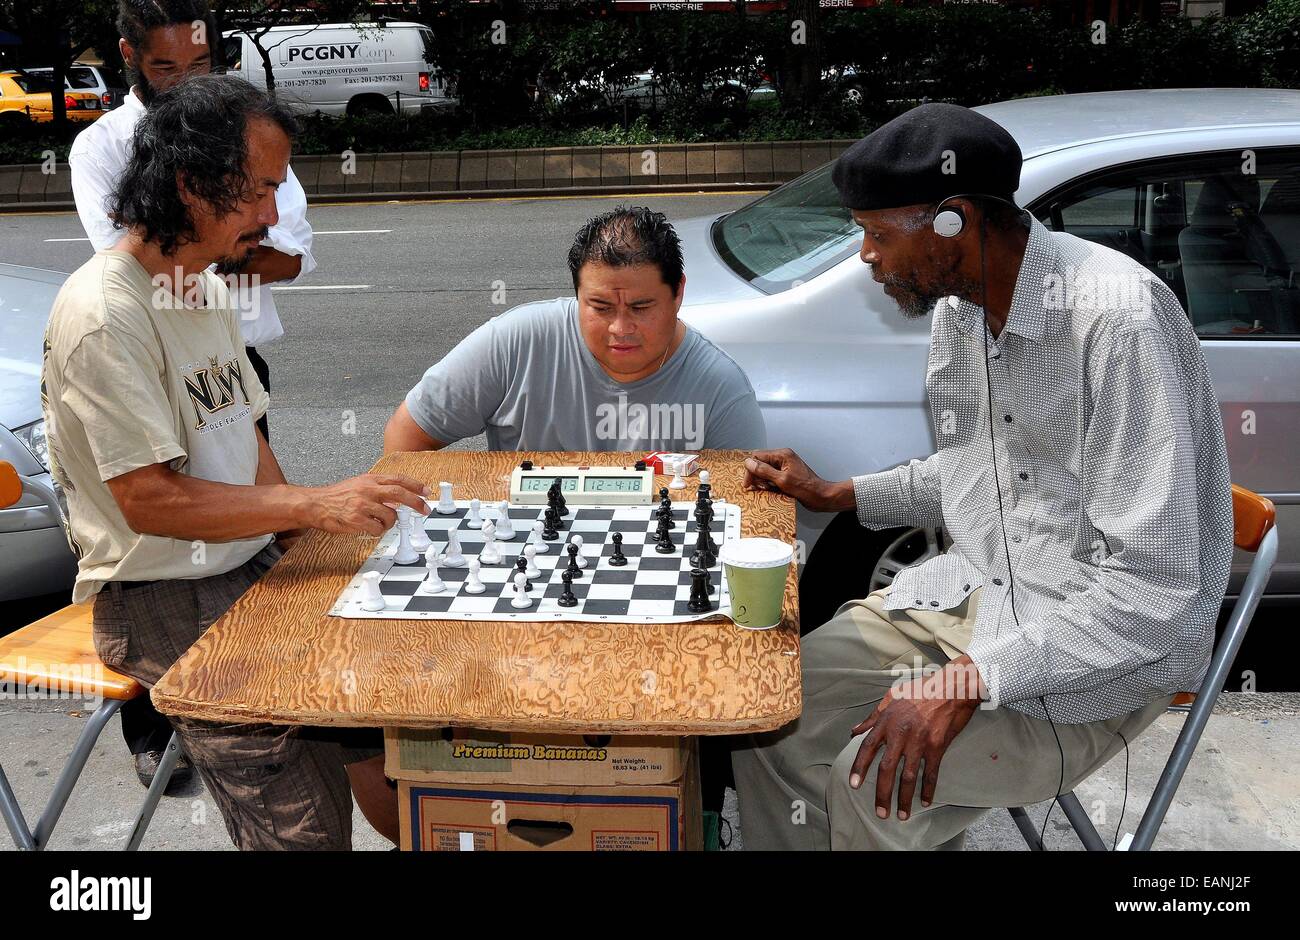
x=34 y=554
x=1202 y=186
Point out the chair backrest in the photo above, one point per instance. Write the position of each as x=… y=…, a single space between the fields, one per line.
x=11 y=485
x=1252 y=516
x=1254 y=530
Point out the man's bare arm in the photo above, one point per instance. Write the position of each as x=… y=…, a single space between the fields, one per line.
x=156 y=500
x=271 y=265
x=402 y=433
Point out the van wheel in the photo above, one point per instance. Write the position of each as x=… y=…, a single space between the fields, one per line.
x=850 y=561
x=369 y=104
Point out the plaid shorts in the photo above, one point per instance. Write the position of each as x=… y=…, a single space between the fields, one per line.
x=278 y=787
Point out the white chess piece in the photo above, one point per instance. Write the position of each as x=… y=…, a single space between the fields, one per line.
x=446 y=505
x=474 y=584
x=405 y=554
x=372 y=598
x=536 y=541
x=678 y=482
x=489 y=554
x=704 y=478
x=580 y=559
x=475 y=518
x=419 y=538
x=505 y=527
x=532 y=571
x=452 y=556
x=432 y=584
x=521 y=598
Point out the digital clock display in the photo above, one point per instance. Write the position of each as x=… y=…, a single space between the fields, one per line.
x=627 y=484
x=538 y=484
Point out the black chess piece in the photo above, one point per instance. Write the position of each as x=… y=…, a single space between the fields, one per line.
x=567 y=598
x=573 y=570
x=663 y=540
x=522 y=564
x=561 y=505
x=699 y=602
x=618 y=559
x=665 y=514
x=703 y=525
x=550 y=525
x=704 y=556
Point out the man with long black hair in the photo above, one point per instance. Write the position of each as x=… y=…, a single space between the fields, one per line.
x=162 y=42
x=176 y=504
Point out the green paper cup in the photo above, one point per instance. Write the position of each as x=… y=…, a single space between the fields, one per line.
x=756 y=573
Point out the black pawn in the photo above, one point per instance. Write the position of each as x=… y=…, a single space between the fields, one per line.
x=573 y=570
x=522 y=564
x=550 y=523
x=664 y=541
x=663 y=495
x=699 y=602
x=665 y=515
x=561 y=505
x=618 y=559
x=567 y=597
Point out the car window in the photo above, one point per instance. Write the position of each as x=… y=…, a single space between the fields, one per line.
x=82 y=79
x=1222 y=230
x=31 y=84
x=790 y=235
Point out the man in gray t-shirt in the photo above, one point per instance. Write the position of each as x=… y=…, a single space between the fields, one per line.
x=612 y=369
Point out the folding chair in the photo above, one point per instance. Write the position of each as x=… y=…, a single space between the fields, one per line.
x=56 y=655
x=1254 y=530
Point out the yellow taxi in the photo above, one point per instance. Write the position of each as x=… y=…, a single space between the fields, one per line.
x=25 y=97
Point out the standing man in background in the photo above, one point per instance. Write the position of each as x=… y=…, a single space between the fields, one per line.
x=163 y=42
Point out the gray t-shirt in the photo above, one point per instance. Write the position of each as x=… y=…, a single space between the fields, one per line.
x=529 y=379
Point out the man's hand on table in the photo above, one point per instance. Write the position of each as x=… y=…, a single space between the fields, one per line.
x=914 y=724
x=363 y=505
x=784 y=471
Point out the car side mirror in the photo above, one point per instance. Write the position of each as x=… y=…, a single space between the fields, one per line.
x=11 y=485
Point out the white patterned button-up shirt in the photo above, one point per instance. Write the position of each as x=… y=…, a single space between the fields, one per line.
x=1115 y=491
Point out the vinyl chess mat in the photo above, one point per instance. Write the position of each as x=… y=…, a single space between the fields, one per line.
x=651 y=588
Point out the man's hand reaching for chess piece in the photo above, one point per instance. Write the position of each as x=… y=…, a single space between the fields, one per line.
x=783 y=471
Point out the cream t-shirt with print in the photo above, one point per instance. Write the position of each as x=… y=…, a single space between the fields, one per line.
x=135 y=376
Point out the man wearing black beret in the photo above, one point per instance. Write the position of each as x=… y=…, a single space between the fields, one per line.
x=1082 y=475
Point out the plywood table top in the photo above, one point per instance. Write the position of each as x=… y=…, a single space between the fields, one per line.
x=278 y=656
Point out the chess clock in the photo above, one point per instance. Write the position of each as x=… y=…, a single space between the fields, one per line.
x=586 y=486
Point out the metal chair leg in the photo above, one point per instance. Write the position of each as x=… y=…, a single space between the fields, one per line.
x=1083 y=826
x=165 y=767
x=71 y=771
x=13 y=815
x=1026 y=827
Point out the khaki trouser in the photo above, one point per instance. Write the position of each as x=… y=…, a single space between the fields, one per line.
x=793 y=783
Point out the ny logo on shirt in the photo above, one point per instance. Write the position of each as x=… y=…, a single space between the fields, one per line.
x=213 y=389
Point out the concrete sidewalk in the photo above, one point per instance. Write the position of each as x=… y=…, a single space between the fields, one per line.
x=1241 y=791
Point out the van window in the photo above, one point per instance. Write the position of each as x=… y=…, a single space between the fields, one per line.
x=232 y=48
x=1227 y=242
x=426 y=36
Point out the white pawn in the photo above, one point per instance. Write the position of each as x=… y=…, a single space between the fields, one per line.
x=452 y=556
x=521 y=598
x=580 y=558
x=678 y=482
x=532 y=571
x=372 y=598
x=446 y=505
x=536 y=541
x=704 y=478
x=474 y=584
x=475 y=517
x=419 y=538
x=405 y=554
x=489 y=554
x=432 y=584
x=505 y=527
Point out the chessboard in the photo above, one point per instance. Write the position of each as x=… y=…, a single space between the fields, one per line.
x=651 y=587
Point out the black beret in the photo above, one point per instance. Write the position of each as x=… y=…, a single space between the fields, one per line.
x=903 y=163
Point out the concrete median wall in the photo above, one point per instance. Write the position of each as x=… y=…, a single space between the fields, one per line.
x=499 y=172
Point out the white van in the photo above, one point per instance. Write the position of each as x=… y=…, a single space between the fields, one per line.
x=345 y=68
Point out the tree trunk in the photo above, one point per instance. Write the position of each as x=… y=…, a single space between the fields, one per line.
x=803 y=69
